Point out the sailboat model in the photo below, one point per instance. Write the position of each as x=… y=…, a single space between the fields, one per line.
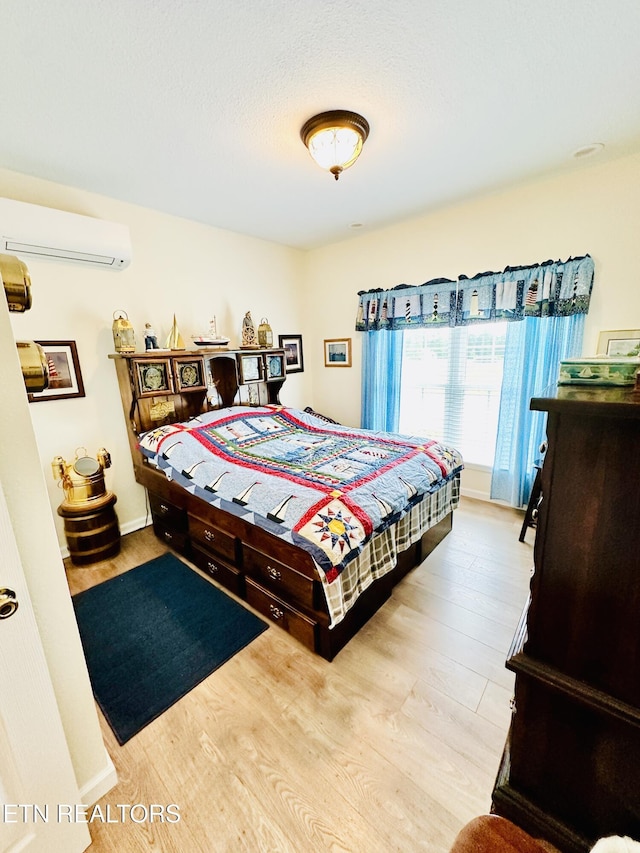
x=175 y=341
x=210 y=338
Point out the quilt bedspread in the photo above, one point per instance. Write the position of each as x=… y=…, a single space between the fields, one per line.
x=323 y=487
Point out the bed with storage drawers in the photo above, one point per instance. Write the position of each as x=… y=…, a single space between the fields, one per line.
x=312 y=523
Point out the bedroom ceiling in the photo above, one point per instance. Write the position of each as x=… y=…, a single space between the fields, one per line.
x=194 y=107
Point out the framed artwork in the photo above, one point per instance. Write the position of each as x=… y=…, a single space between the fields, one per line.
x=622 y=343
x=65 y=378
x=153 y=377
x=274 y=364
x=292 y=345
x=250 y=368
x=337 y=352
x=189 y=374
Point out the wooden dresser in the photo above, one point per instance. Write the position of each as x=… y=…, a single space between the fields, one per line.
x=571 y=767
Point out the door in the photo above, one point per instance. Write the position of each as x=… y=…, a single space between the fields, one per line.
x=38 y=791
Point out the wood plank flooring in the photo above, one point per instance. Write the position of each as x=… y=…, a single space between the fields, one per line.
x=393 y=746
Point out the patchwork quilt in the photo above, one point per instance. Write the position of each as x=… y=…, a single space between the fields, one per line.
x=323 y=487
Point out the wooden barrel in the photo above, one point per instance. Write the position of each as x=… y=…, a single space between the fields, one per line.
x=92 y=533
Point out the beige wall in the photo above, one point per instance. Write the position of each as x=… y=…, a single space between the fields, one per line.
x=595 y=210
x=178 y=267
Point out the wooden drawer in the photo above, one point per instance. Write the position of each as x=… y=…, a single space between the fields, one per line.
x=174 y=538
x=227 y=576
x=212 y=539
x=167 y=514
x=281 y=579
x=295 y=623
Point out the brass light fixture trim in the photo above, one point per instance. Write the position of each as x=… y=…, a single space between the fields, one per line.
x=331 y=123
x=17 y=283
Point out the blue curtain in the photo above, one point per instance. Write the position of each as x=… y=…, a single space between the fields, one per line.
x=381 y=380
x=533 y=351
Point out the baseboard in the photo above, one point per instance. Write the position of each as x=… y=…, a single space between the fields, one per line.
x=127 y=527
x=474 y=493
x=136 y=524
x=101 y=784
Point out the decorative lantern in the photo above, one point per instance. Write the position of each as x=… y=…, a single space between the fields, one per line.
x=83 y=479
x=265 y=333
x=123 y=335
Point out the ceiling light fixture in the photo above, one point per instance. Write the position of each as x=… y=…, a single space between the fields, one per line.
x=335 y=139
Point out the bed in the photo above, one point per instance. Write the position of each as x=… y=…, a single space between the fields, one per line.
x=311 y=522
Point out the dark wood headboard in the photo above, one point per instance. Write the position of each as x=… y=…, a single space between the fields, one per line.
x=161 y=387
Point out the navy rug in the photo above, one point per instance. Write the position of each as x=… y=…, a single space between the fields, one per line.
x=151 y=634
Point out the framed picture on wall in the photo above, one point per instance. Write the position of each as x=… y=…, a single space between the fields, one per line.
x=337 y=352
x=621 y=342
x=65 y=377
x=292 y=345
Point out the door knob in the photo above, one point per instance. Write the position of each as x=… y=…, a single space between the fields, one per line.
x=8 y=603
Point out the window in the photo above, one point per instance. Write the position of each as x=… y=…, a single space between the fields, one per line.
x=451 y=380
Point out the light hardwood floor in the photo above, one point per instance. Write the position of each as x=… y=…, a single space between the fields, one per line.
x=393 y=746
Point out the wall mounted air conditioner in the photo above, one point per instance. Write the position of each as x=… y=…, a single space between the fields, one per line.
x=32 y=231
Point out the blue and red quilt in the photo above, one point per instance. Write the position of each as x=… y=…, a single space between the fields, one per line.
x=323 y=487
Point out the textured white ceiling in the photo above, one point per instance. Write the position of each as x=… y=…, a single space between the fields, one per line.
x=194 y=107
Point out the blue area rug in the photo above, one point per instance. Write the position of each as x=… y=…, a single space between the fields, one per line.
x=151 y=634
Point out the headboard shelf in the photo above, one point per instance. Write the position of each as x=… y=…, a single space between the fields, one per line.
x=161 y=387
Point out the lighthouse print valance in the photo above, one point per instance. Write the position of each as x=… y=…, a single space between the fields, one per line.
x=553 y=288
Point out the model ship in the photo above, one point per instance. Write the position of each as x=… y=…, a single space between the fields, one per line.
x=210 y=338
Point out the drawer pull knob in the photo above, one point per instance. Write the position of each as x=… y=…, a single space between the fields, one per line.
x=276 y=612
x=212 y=567
x=168 y=536
x=164 y=508
x=209 y=536
x=274 y=574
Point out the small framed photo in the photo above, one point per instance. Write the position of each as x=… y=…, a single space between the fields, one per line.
x=337 y=352
x=65 y=377
x=623 y=343
x=292 y=345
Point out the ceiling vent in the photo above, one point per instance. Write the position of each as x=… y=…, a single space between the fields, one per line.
x=32 y=231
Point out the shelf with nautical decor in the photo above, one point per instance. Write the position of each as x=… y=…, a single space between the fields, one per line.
x=162 y=387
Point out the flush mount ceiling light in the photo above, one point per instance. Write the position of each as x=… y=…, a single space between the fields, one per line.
x=335 y=139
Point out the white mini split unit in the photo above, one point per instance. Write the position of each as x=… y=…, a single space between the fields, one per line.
x=32 y=231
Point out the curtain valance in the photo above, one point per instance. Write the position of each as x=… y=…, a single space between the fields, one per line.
x=550 y=289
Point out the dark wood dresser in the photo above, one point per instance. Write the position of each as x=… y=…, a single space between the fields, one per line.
x=571 y=767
